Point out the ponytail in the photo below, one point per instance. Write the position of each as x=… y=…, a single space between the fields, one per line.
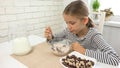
x=90 y=23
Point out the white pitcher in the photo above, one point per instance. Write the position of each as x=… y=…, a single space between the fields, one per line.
x=19 y=37
x=21 y=46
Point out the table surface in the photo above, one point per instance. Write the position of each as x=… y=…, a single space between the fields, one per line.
x=41 y=57
x=48 y=59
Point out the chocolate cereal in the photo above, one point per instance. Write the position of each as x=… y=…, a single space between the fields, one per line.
x=76 y=62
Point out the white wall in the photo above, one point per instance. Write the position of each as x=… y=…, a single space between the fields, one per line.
x=66 y=2
x=36 y=14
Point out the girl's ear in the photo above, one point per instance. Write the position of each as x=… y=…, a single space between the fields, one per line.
x=86 y=20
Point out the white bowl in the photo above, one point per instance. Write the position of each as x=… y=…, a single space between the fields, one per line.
x=61 y=48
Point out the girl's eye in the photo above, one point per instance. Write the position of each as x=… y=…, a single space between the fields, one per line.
x=72 y=23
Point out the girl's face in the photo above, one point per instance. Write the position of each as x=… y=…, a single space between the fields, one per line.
x=74 y=24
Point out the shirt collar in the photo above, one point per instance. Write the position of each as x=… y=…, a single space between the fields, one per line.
x=87 y=35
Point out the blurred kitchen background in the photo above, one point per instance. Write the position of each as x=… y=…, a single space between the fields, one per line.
x=35 y=15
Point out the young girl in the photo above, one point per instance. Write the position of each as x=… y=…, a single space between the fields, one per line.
x=86 y=39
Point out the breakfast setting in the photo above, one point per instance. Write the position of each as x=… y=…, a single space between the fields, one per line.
x=59 y=34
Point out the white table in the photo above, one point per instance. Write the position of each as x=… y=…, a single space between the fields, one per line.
x=6 y=61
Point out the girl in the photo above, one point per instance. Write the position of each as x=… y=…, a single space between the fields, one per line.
x=86 y=39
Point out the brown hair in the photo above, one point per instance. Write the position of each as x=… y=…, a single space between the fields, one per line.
x=79 y=9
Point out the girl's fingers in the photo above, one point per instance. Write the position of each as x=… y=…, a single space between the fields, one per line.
x=48 y=33
x=48 y=30
x=74 y=44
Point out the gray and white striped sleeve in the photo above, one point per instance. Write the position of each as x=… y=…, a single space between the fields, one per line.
x=105 y=54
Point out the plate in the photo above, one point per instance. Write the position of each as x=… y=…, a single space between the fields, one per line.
x=78 y=55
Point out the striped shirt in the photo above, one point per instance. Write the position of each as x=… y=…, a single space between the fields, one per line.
x=96 y=47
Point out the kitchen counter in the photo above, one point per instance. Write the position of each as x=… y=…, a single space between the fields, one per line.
x=112 y=24
x=7 y=61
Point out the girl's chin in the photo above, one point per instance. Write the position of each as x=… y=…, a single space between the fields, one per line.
x=73 y=32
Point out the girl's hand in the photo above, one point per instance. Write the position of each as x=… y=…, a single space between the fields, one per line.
x=77 y=47
x=48 y=33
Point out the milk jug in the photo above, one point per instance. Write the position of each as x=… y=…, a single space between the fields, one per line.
x=19 y=39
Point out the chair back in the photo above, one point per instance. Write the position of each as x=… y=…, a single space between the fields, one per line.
x=99 y=20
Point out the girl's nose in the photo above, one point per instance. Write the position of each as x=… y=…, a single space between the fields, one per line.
x=69 y=27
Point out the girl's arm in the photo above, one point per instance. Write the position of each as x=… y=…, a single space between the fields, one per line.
x=58 y=37
x=105 y=52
